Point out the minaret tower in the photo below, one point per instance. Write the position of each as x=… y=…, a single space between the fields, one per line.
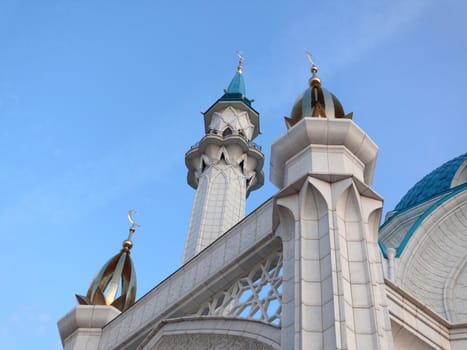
x=224 y=166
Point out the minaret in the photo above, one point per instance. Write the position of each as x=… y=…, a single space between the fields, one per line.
x=333 y=288
x=224 y=166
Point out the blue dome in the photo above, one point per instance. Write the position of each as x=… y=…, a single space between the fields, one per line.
x=435 y=183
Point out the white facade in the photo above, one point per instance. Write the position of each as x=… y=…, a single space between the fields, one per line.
x=307 y=269
x=329 y=217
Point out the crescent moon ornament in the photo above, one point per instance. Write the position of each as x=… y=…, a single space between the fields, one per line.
x=314 y=69
x=310 y=58
x=134 y=225
x=240 y=62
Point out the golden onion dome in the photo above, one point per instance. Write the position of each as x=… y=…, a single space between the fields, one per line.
x=117 y=276
x=316 y=102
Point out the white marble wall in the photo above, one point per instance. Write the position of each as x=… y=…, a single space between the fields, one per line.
x=416 y=326
x=219 y=204
x=433 y=265
x=81 y=328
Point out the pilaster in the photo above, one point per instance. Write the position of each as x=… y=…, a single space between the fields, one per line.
x=334 y=296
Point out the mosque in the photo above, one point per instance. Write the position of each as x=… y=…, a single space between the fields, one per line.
x=312 y=267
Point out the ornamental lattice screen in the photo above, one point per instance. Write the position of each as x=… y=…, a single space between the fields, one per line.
x=256 y=296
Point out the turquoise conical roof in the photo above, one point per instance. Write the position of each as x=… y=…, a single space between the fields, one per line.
x=237 y=85
x=236 y=90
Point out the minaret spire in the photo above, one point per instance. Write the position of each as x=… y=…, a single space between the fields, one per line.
x=314 y=80
x=117 y=273
x=240 y=62
x=237 y=85
x=224 y=166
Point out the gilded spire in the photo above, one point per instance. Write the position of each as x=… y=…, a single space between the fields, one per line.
x=240 y=62
x=237 y=85
x=117 y=274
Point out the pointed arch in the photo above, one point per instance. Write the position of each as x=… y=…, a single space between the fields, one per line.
x=286 y=222
x=223 y=154
x=204 y=163
x=373 y=224
x=313 y=203
x=227 y=132
x=348 y=205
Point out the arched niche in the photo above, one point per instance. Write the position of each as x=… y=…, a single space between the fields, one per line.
x=212 y=333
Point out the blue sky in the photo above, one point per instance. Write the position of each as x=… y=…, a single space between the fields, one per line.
x=100 y=100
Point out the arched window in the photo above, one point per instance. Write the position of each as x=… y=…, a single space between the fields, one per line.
x=227 y=132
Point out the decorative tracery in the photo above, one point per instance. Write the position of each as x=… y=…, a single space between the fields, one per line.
x=256 y=296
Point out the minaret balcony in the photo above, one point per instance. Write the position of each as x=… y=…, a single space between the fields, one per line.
x=237 y=150
x=233 y=133
x=215 y=138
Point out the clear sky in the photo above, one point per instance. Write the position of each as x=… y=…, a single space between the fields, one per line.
x=100 y=100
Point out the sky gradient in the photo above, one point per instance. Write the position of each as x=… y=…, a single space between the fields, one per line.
x=100 y=100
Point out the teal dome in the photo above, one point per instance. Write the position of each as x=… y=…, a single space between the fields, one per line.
x=433 y=184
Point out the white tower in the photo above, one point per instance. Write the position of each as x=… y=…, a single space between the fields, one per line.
x=334 y=293
x=223 y=167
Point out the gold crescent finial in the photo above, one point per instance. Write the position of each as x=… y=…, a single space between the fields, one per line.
x=130 y=218
x=314 y=80
x=314 y=69
x=240 y=62
x=133 y=226
x=310 y=58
